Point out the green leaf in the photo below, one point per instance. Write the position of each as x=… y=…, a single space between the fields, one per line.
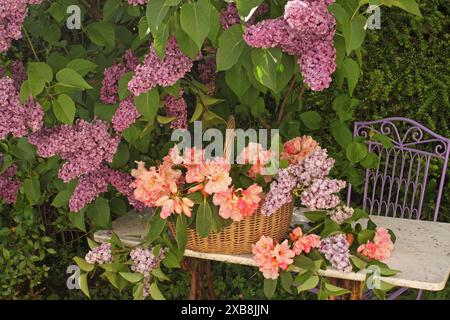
x=62 y=198
x=237 y=79
x=138 y=291
x=231 y=45
x=132 y=277
x=311 y=119
x=155 y=293
x=410 y=6
x=365 y=235
x=160 y=39
x=370 y=161
x=204 y=219
x=315 y=216
x=354 y=33
x=304 y=263
x=343 y=107
x=31 y=88
x=32 y=189
x=109 y=8
x=351 y=69
x=83 y=264
x=265 y=66
x=102 y=33
x=70 y=78
x=148 y=104
x=155 y=14
x=194 y=20
x=123 y=85
x=270 y=286
x=39 y=71
x=341 y=133
x=77 y=220
x=181 y=232
x=100 y=213
x=160 y=275
x=356 y=152
x=187 y=45
x=359 y=263
x=156 y=226
x=308 y=284
x=339 y=13
x=64 y=109
x=286 y=281
x=384 y=140
x=197 y=112
x=104 y=111
x=258 y=107
x=82 y=66
x=121 y=157
x=84 y=285
x=335 y=291
x=24 y=150
x=247 y=7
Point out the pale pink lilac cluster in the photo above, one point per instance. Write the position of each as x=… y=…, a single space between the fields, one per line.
x=307 y=31
x=9 y=186
x=154 y=72
x=15 y=118
x=100 y=255
x=111 y=76
x=316 y=166
x=336 y=250
x=176 y=107
x=381 y=246
x=125 y=115
x=341 y=213
x=12 y=16
x=85 y=146
x=321 y=194
x=280 y=192
x=144 y=261
x=229 y=15
x=271 y=257
x=92 y=184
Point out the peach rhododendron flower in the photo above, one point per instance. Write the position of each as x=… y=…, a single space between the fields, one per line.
x=256 y=155
x=213 y=174
x=381 y=247
x=174 y=203
x=270 y=257
x=306 y=243
x=238 y=203
x=149 y=185
x=296 y=234
x=297 y=149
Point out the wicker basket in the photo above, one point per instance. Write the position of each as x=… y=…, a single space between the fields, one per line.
x=238 y=237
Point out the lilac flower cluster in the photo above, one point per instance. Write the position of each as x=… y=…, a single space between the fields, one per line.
x=306 y=30
x=101 y=254
x=144 y=261
x=336 y=251
x=15 y=118
x=176 y=107
x=321 y=194
x=9 y=187
x=341 y=213
x=12 y=16
x=137 y=2
x=110 y=84
x=229 y=15
x=91 y=185
x=84 y=145
x=280 y=192
x=18 y=73
x=125 y=115
x=154 y=71
x=207 y=73
x=316 y=166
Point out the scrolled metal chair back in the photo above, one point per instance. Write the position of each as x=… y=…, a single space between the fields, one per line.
x=400 y=182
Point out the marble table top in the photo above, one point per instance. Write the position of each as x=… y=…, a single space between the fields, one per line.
x=421 y=252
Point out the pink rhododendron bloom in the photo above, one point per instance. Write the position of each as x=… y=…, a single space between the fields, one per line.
x=174 y=203
x=283 y=255
x=296 y=234
x=297 y=149
x=270 y=257
x=381 y=247
x=149 y=185
x=306 y=243
x=256 y=155
x=238 y=204
x=214 y=175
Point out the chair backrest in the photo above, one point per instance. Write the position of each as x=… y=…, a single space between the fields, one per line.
x=397 y=186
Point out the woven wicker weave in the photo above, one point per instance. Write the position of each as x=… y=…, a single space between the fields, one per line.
x=238 y=237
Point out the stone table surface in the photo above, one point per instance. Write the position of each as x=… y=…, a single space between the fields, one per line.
x=421 y=252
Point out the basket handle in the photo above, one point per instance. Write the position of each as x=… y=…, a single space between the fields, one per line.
x=229 y=138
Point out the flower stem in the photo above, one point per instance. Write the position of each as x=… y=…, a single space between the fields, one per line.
x=30 y=43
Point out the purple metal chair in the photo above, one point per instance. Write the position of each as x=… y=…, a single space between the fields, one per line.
x=399 y=185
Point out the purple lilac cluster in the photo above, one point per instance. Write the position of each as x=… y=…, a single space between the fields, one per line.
x=341 y=213
x=18 y=73
x=137 y=2
x=207 y=72
x=316 y=166
x=166 y=72
x=111 y=76
x=101 y=254
x=321 y=194
x=307 y=31
x=336 y=251
x=15 y=118
x=280 y=192
x=85 y=146
x=9 y=187
x=229 y=15
x=176 y=107
x=91 y=185
x=12 y=16
x=144 y=261
x=125 y=115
